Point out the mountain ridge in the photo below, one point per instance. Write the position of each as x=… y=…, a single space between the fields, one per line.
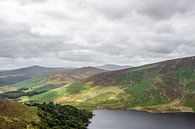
x=31 y=70
x=8 y=77
x=180 y=62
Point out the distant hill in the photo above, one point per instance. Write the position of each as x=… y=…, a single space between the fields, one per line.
x=112 y=67
x=30 y=71
x=40 y=84
x=68 y=76
x=62 y=78
x=12 y=76
x=78 y=73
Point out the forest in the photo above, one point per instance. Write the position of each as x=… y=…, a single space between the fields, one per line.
x=56 y=116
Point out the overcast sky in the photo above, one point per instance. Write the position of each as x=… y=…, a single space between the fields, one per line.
x=94 y=32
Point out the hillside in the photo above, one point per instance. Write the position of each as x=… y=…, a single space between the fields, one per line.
x=59 y=79
x=159 y=83
x=160 y=87
x=75 y=74
x=41 y=84
x=13 y=76
x=146 y=72
x=14 y=115
x=164 y=86
x=30 y=71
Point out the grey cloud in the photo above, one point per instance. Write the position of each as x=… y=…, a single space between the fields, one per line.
x=29 y=48
x=164 y=9
x=112 y=9
x=18 y=41
x=83 y=56
x=155 y=9
x=162 y=48
x=164 y=29
x=94 y=32
x=115 y=46
x=26 y=2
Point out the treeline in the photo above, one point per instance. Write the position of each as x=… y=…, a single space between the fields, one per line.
x=56 y=116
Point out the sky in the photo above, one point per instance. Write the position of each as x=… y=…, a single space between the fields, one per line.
x=76 y=33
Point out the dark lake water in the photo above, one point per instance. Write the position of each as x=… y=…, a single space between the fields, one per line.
x=120 y=119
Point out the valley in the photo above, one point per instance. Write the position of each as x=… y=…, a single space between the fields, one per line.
x=166 y=86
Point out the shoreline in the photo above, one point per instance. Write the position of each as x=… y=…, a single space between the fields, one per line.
x=146 y=111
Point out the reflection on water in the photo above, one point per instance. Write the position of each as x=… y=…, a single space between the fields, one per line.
x=120 y=119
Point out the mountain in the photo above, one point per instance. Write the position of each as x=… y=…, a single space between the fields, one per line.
x=41 y=84
x=168 y=82
x=160 y=87
x=12 y=76
x=78 y=73
x=31 y=71
x=65 y=77
x=112 y=67
x=163 y=69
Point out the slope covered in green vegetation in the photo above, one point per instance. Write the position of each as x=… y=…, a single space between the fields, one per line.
x=41 y=84
x=155 y=84
x=14 y=115
x=160 y=87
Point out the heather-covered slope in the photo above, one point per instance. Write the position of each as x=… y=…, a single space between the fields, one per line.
x=160 y=87
x=155 y=84
x=9 y=77
x=41 y=84
x=31 y=71
x=14 y=115
x=59 y=79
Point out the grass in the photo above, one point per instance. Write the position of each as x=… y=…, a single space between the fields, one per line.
x=141 y=68
x=75 y=88
x=78 y=93
x=137 y=88
x=14 y=115
x=134 y=76
x=147 y=99
x=4 y=89
x=50 y=95
x=29 y=83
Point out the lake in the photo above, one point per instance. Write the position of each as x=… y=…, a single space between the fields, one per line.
x=121 y=119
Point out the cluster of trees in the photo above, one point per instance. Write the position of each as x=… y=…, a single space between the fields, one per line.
x=56 y=116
